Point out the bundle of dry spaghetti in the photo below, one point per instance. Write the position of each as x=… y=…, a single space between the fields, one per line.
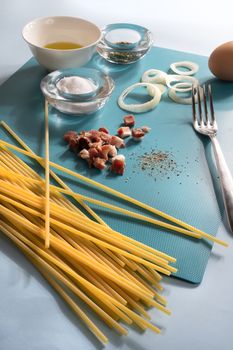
x=116 y=276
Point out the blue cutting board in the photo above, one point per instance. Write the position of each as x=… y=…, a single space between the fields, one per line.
x=182 y=187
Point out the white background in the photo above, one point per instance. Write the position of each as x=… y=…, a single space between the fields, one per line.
x=203 y=315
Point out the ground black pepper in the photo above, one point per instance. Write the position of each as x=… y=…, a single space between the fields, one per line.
x=161 y=165
x=123 y=56
x=158 y=163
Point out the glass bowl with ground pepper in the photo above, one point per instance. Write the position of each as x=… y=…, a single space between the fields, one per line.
x=77 y=91
x=124 y=43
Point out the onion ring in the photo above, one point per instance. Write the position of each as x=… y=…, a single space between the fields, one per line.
x=161 y=87
x=172 y=93
x=143 y=107
x=154 y=76
x=193 y=67
x=181 y=79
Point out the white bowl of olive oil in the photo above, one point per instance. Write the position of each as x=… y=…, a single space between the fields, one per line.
x=61 y=42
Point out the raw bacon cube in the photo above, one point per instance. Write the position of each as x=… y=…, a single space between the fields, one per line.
x=118 y=164
x=117 y=141
x=129 y=120
x=102 y=129
x=146 y=128
x=84 y=154
x=124 y=132
x=69 y=135
x=138 y=134
x=108 y=151
x=99 y=163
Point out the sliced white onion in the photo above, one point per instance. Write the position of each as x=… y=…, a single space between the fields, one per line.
x=189 y=81
x=142 y=107
x=161 y=87
x=154 y=76
x=193 y=67
x=172 y=93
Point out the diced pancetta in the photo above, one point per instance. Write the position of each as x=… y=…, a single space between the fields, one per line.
x=83 y=143
x=129 y=120
x=70 y=134
x=84 y=154
x=146 y=128
x=138 y=134
x=124 y=131
x=97 y=147
x=99 y=163
x=118 y=164
x=117 y=141
x=108 y=151
x=102 y=129
x=93 y=153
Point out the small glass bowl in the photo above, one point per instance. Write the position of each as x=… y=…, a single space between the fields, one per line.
x=77 y=103
x=124 y=43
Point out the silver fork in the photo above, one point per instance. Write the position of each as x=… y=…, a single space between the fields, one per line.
x=205 y=123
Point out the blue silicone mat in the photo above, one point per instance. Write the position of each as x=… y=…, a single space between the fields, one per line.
x=182 y=186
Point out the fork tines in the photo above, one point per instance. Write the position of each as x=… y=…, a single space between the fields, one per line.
x=204 y=93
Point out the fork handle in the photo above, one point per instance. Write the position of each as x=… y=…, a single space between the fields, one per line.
x=225 y=180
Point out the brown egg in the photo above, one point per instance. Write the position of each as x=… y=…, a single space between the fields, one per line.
x=221 y=61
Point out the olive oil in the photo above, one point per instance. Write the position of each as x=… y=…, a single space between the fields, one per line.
x=63 y=45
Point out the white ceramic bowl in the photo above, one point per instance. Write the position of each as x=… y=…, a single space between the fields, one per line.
x=44 y=31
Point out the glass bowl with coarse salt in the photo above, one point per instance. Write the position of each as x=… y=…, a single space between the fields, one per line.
x=77 y=91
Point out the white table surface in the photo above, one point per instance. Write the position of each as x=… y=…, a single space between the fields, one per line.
x=202 y=315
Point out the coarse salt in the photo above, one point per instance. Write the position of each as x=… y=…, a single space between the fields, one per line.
x=76 y=85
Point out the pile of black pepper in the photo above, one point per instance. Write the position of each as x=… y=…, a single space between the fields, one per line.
x=158 y=164
x=161 y=165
